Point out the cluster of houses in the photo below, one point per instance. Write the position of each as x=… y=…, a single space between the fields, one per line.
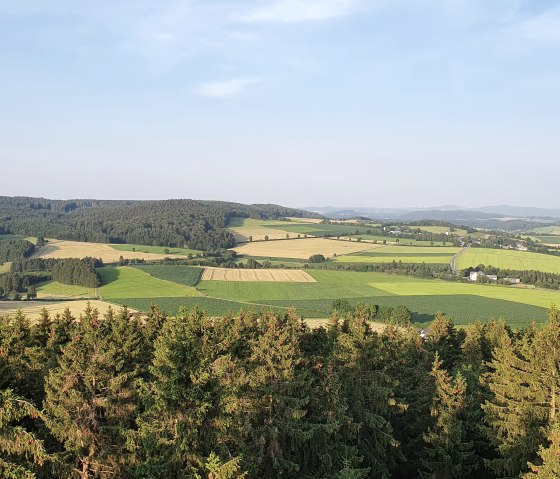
x=480 y=275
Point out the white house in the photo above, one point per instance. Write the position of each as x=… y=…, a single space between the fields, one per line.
x=476 y=275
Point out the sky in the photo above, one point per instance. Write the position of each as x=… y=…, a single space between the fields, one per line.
x=386 y=103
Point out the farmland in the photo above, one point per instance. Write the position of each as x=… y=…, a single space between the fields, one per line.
x=33 y=309
x=185 y=275
x=127 y=282
x=76 y=249
x=509 y=259
x=260 y=275
x=434 y=255
x=302 y=248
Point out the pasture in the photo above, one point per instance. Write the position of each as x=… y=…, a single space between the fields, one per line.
x=260 y=275
x=5 y=267
x=55 y=290
x=128 y=282
x=413 y=254
x=76 y=249
x=509 y=259
x=399 y=241
x=302 y=248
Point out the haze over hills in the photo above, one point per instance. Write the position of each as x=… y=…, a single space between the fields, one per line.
x=491 y=217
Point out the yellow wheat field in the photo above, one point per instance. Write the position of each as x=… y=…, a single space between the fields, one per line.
x=266 y=275
x=76 y=249
x=302 y=248
x=32 y=309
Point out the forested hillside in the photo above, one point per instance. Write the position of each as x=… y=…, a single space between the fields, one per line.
x=196 y=224
x=262 y=396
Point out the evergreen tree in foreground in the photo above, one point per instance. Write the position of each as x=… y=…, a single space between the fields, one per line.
x=550 y=457
x=448 y=455
x=20 y=450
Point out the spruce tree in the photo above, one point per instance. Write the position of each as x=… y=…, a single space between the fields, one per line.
x=91 y=398
x=448 y=455
x=21 y=451
x=549 y=457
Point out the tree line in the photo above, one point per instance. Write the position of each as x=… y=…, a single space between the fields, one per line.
x=14 y=250
x=26 y=273
x=263 y=396
x=174 y=223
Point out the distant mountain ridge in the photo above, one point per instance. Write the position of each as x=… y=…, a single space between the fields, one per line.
x=488 y=217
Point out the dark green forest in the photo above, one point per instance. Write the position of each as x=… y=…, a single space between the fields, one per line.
x=260 y=395
x=175 y=223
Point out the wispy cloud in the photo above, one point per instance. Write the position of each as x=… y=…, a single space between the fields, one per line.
x=226 y=89
x=544 y=27
x=288 y=11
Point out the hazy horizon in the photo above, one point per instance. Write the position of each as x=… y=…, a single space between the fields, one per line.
x=380 y=103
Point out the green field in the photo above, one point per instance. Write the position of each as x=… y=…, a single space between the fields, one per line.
x=405 y=254
x=441 y=230
x=185 y=275
x=127 y=282
x=53 y=289
x=547 y=230
x=548 y=239
x=345 y=284
x=464 y=309
x=402 y=241
x=509 y=259
x=154 y=249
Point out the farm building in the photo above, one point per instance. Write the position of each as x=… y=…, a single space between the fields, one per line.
x=478 y=275
x=512 y=280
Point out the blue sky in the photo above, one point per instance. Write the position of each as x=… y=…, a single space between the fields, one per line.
x=298 y=102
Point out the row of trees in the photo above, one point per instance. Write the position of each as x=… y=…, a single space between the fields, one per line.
x=26 y=273
x=13 y=250
x=538 y=278
x=263 y=396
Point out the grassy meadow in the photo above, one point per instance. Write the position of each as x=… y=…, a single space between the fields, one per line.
x=128 y=282
x=404 y=254
x=509 y=259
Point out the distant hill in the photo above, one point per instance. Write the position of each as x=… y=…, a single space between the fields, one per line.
x=503 y=217
x=193 y=223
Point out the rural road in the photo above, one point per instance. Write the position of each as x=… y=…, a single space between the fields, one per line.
x=454 y=259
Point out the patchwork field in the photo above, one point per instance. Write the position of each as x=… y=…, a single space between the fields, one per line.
x=186 y=275
x=509 y=259
x=414 y=254
x=243 y=228
x=76 y=249
x=302 y=248
x=32 y=309
x=260 y=275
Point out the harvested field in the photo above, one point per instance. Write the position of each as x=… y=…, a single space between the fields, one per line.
x=76 y=249
x=33 y=308
x=259 y=275
x=243 y=228
x=302 y=248
x=304 y=220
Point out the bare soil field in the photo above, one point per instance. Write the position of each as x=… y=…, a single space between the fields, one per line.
x=32 y=309
x=303 y=248
x=260 y=275
x=305 y=220
x=76 y=249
